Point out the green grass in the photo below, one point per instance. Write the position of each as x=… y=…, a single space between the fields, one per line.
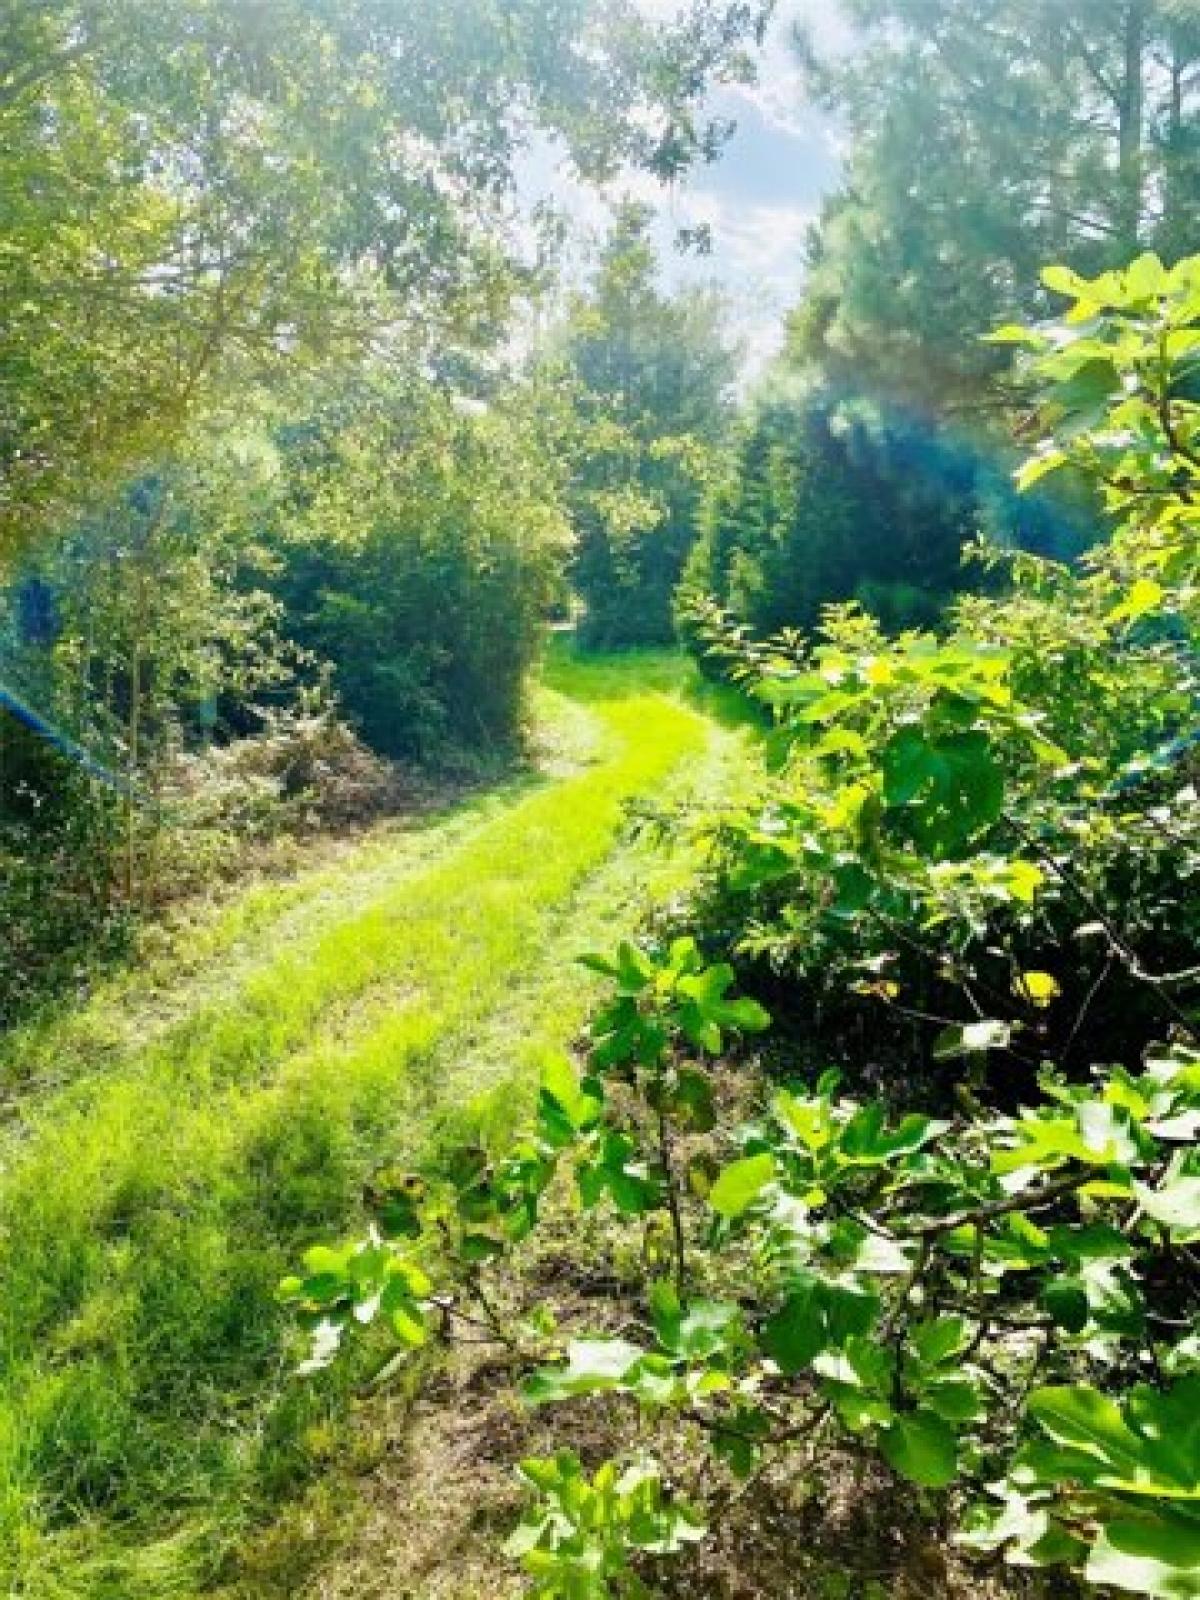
x=188 y=1137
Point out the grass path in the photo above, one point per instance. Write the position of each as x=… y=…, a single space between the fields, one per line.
x=180 y=1139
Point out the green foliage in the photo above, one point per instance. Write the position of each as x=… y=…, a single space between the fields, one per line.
x=196 y=199
x=648 y=380
x=388 y=559
x=151 y=646
x=952 y=813
x=998 y=1299
x=579 y=1536
x=416 y=544
x=60 y=834
x=209 y=216
x=984 y=137
x=897 y=1280
x=825 y=501
x=1033 y=132
x=361 y=1282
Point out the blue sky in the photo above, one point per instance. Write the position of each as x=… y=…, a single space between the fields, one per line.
x=758 y=200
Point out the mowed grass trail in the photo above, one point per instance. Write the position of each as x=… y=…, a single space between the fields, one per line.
x=176 y=1149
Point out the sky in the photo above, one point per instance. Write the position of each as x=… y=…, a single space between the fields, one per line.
x=758 y=199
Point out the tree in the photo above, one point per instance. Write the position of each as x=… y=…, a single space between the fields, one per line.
x=988 y=136
x=826 y=500
x=195 y=192
x=415 y=545
x=651 y=377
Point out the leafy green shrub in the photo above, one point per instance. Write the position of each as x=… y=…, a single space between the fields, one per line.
x=937 y=1290
x=1001 y=1299
x=59 y=837
x=418 y=546
x=828 y=499
x=823 y=501
x=949 y=812
x=579 y=1538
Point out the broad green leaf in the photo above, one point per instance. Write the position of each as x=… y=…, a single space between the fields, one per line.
x=866 y=1141
x=1066 y=1300
x=1014 y=333
x=1160 y=1457
x=746 y=1015
x=1145 y=278
x=951 y=779
x=935 y=1342
x=618 y=1169
x=740 y=1184
x=480 y=1246
x=817 y=1315
x=808 y=1119
x=696 y=1330
x=634 y=968
x=566 y=1107
x=1039 y=466
x=921 y=1447
x=593 y=1366
x=954 y=1399
x=408 y=1324
x=1063 y=281
x=1176 y=1203
x=1157 y=1556
x=739 y=1447
x=797 y=1332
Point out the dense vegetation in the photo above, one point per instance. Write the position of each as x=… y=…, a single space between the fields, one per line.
x=990 y=836
x=651 y=378
x=822 y=503
x=200 y=197
x=987 y=139
x=274 y=480
x=393 y=606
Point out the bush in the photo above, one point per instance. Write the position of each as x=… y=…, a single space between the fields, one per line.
x=1015 y=794
x=425 y=549
x=306 y=772
x=59 y=836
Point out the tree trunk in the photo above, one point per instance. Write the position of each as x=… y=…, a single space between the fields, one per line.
x=1130 y=172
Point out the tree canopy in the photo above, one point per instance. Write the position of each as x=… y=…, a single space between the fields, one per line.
x=987 y=137
x=650 y=375
x=193 y=193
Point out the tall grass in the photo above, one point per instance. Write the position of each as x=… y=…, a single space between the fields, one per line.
x=149 y=1207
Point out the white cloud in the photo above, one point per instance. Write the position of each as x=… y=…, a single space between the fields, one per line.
x=758 y=201
x=757 y=259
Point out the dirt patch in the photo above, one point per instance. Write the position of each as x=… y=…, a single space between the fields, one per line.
x=430 y=1516
x=427 y=1518
x=434 y=1513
